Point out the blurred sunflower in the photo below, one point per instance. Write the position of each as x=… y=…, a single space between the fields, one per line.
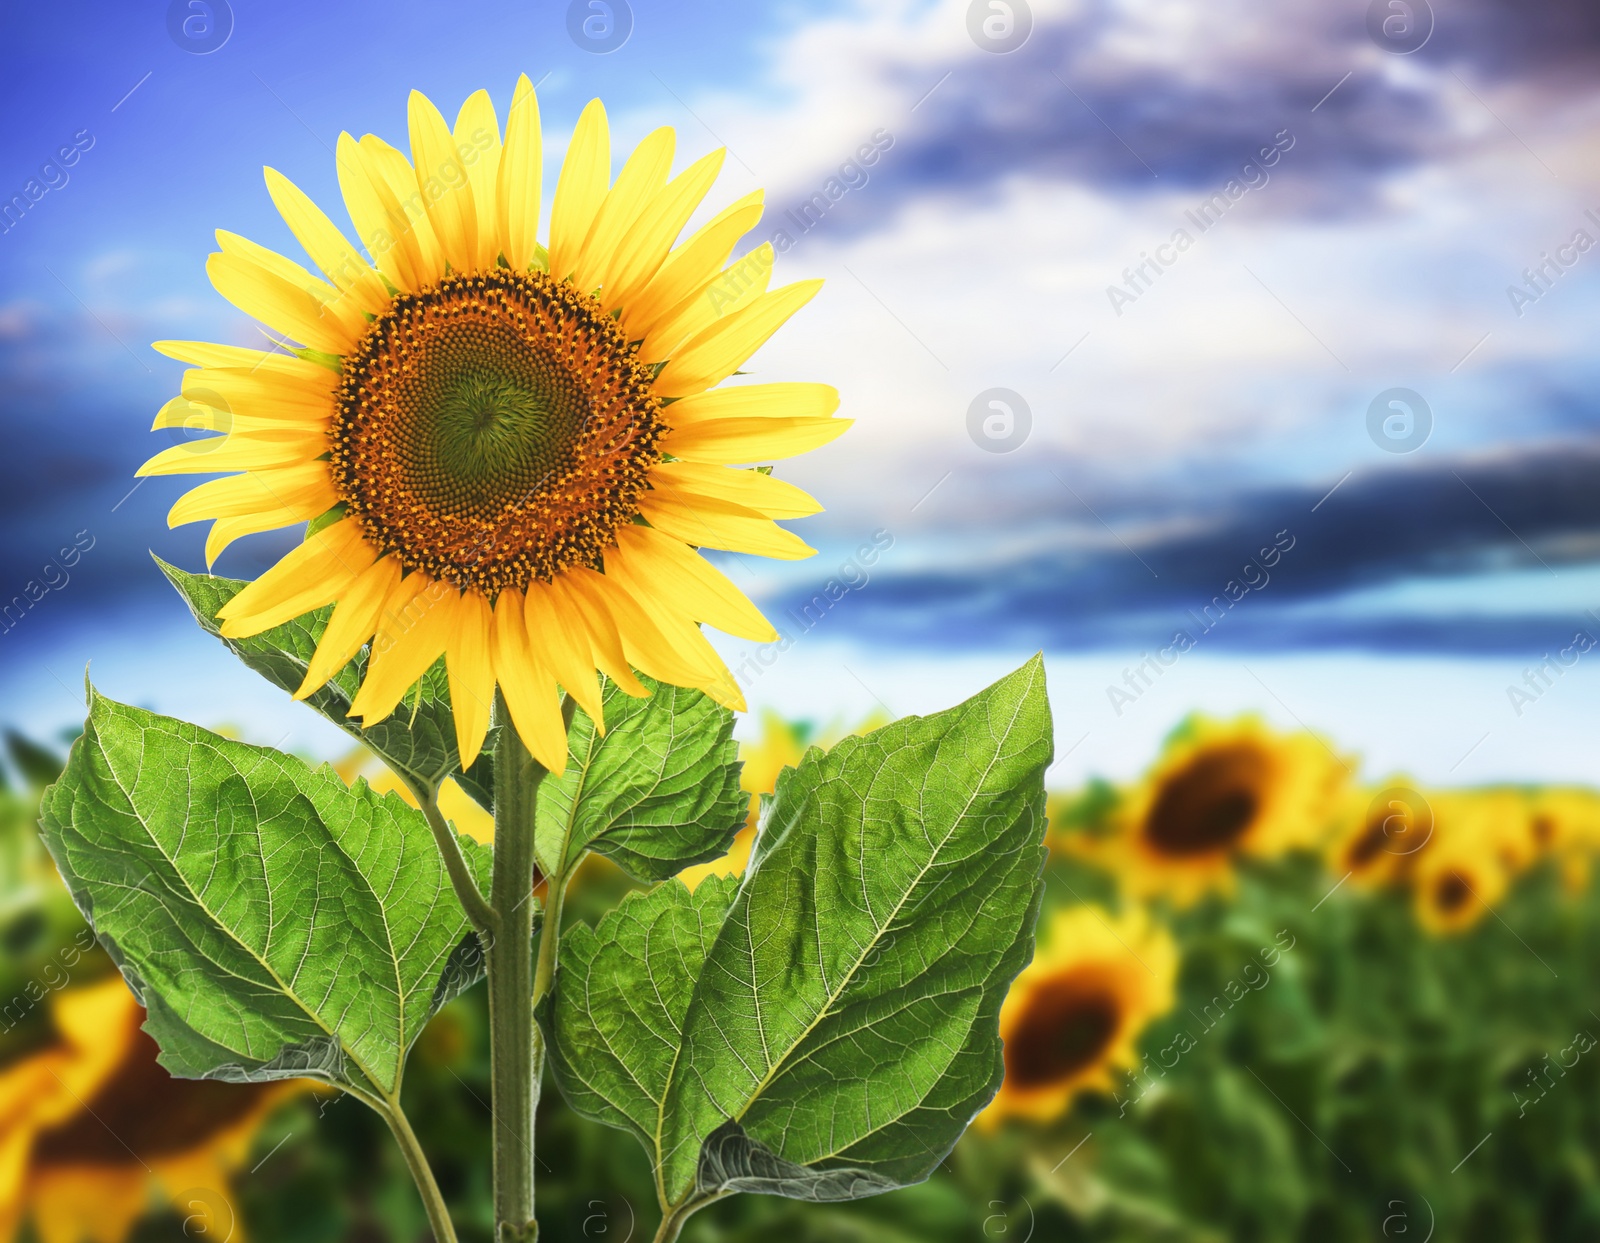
x=1564 y=823
x=1076 y=1012
x=1463 y=869
x=92 y=1128
x=1378 y=831
x=1221 y=790
x=508 y=452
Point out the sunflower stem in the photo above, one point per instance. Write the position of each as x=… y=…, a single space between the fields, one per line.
x=421 y=1171
x=516 y=1054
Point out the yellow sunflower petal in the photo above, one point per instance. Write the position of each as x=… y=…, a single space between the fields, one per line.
x=529 y=688
x=477 y=136
x=326 y=245
x=233 y=357
x=584 y=598
x=470 y=667
x=720 y=350
x=518 y=185
x=691 y=482
x=416 y=626
x=641 y=179
x=581 y=189
x=316 y=573
x=735 y=287
x=726 y=442
x=354 y=621
x=442 y=181
x=277 y=303
x=248 y=494
x=691 y=265
x=665 y=644
x=554 y=633
x=640 y=253
x=390 y=166
x=342 y=311
x=653 y=565
x=751 y=401
x=240 y=451
x=717 y=524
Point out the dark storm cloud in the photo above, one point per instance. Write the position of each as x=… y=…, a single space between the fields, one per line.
x=1073 y=104
x=1539 y=510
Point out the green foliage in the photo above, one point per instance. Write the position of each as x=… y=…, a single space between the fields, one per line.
x=658 y=793
x=827 y=1028
x=418 y=741
x=275 y=922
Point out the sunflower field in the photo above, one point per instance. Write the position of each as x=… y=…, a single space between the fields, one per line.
x=1273 y=998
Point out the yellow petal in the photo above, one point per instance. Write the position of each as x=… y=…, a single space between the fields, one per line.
x=727 y=442
x=716 y=524
x=563 y=648
x=341 y=311
x=641 y=179
x=581 y=189
x=327 y=246
x=582 y=597
x=203 y=410
x=379 y=227
x=288 y=447
x=233 y=495
x=692 y=482
x=353 y=622
x=641 y=252
x=316 y=573
x=661 y=642
x=232 y=357
x=750 y=401
x=518 y=185
x=735 y=287
x=720 y=350
x=477 y=136
x=417 y=623
x=691 y=266
x=655 y=566
x=442 y=182
x=277 y=303
x=468 y=663
x=390 y=165
x=529 y=688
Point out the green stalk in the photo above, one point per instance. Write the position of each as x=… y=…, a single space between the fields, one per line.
x=515 y=1054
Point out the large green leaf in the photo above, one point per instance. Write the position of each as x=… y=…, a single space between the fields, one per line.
x=418 y=740
x=658 y=793
x=275 y=922
x=835 y=1030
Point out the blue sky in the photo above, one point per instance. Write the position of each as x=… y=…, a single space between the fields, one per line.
x=1177 y=428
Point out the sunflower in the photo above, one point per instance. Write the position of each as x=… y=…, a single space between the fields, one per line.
x=1465 y=867
x=1564 y=823
x=91 y=1126
x=1219 y=791
x=508 y=450
x=1379 y=831
x=1076 y=1012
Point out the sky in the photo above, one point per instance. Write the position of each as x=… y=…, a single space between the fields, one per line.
x=1235 y=356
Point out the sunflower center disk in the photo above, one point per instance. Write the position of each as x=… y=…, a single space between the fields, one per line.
x=493 y=430
x=1210 y=804
x=1068 y=1025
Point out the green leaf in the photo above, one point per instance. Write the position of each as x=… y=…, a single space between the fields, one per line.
x=659 y=793
x=274 y=922
x=624 y=985
x=420 y=745
x=827 y=1028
